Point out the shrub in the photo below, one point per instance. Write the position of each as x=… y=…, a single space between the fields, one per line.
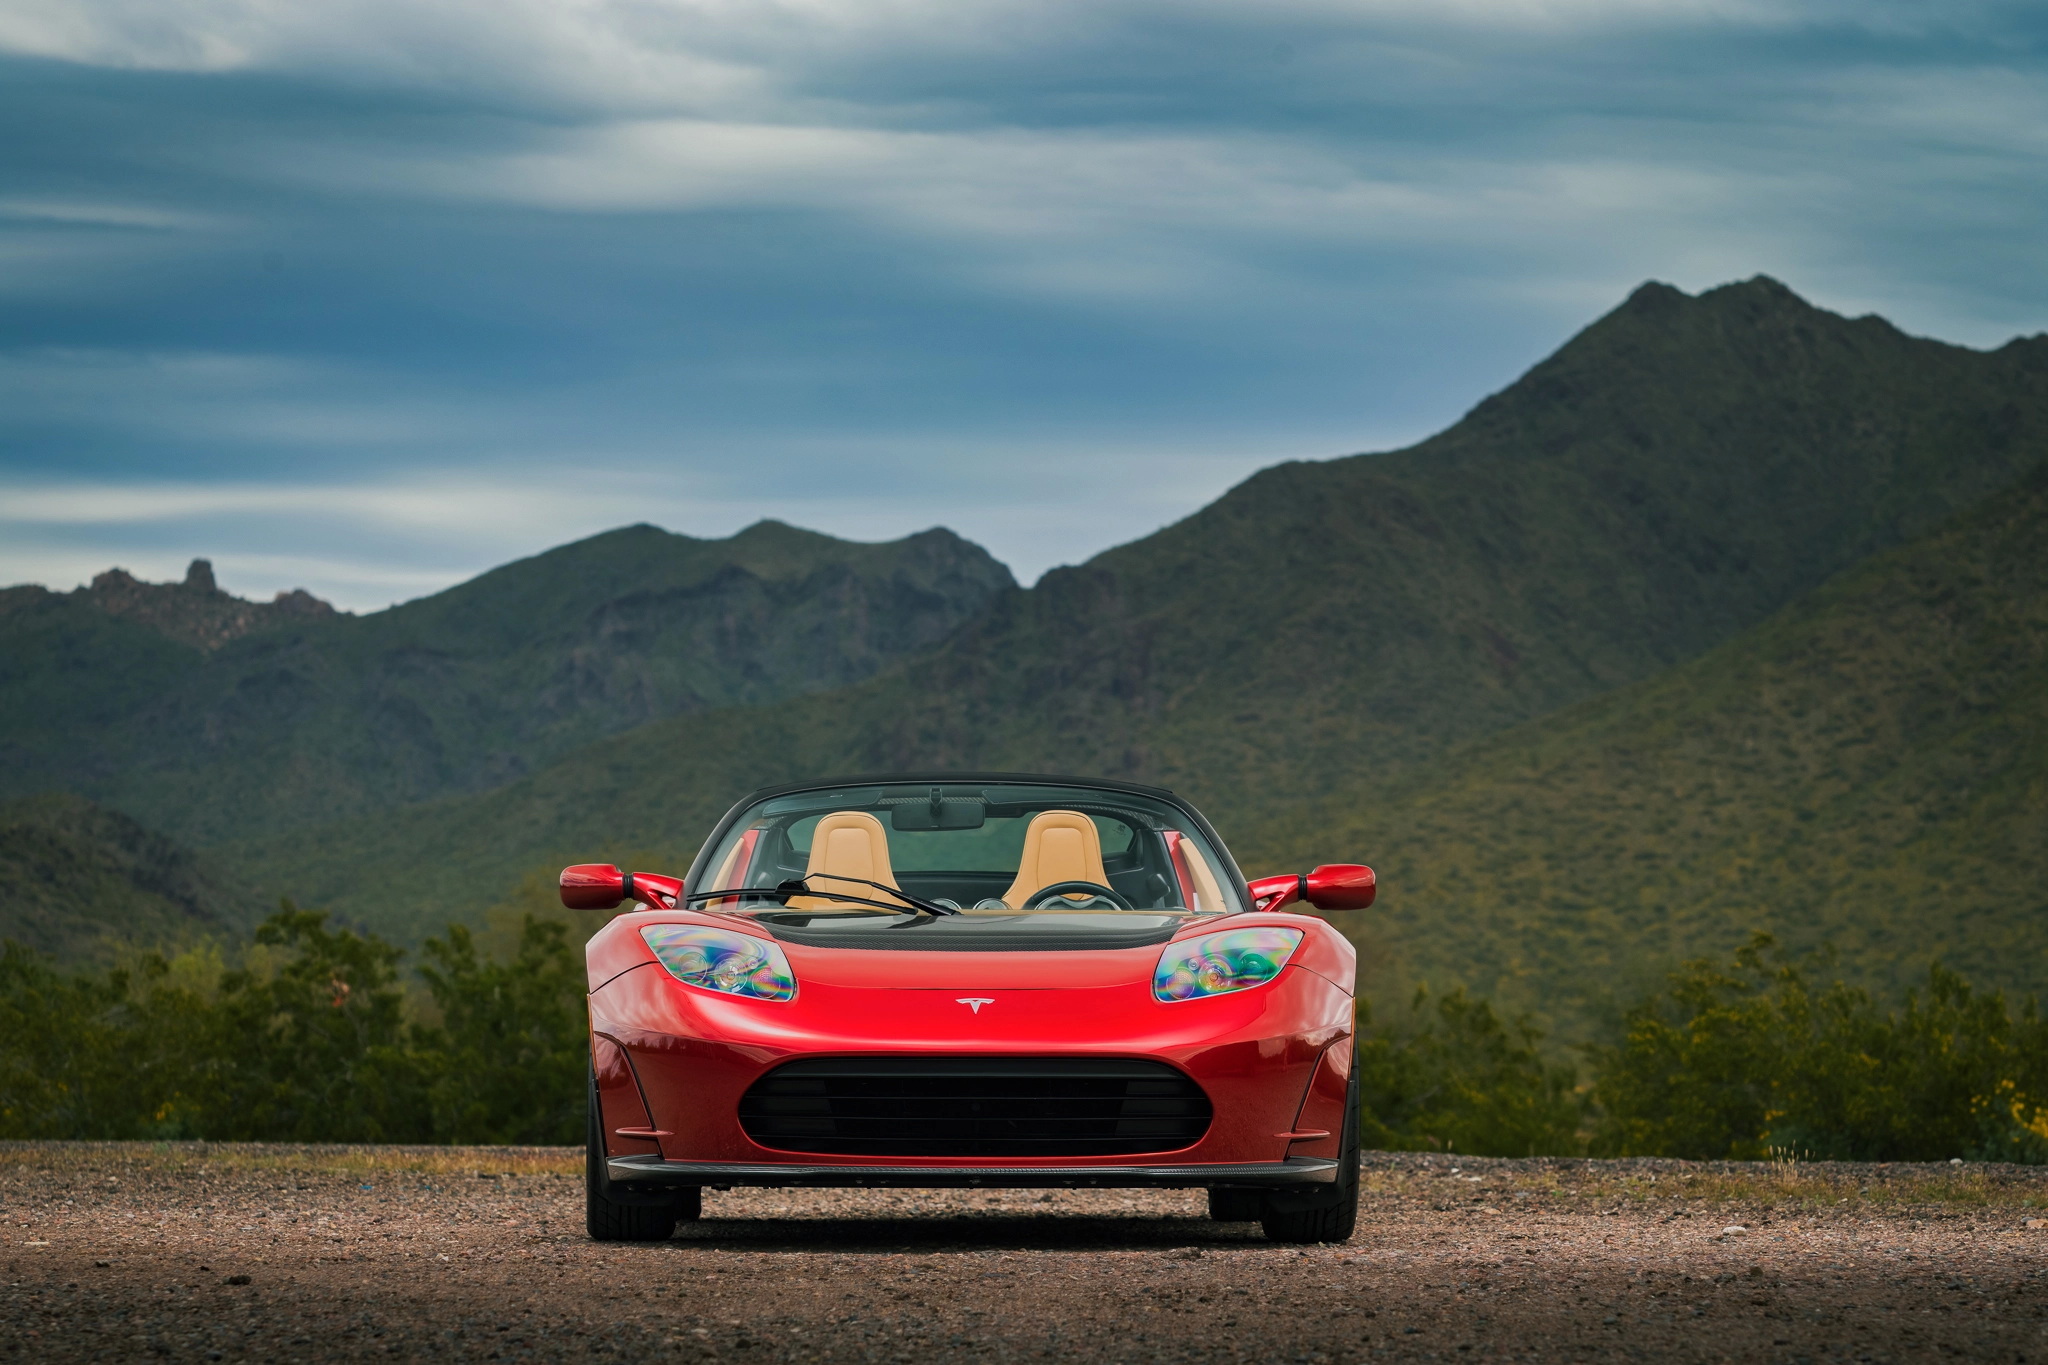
x=1459 y=1078
x=1756 y=1059
x=306 y=1039
x=316 y=1049
x=113 y=1055
x=513 y=1042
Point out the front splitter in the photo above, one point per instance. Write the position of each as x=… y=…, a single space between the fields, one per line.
x=652 y=1170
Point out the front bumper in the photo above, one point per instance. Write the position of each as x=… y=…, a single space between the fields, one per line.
x=674 y=1063
x=653 y=1171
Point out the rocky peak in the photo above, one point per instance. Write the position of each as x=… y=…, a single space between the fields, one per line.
x=197 y=611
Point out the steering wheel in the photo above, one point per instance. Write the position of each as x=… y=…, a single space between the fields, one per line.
x=1038 y=900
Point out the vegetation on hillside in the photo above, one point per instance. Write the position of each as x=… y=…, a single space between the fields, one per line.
x=1761 y=1058
x=304 y=1036
x=1456 y=1077
x=308 y=1035
x=159 y=699
x=1868 y=768
x=1758 y=1057
x=81 y=882
x=1324 y=659
x=1675 y=474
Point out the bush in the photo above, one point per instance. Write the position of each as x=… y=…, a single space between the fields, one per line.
x=306 y=1039
x=1756 y=1060
x=1461 y=1079
x=307 y=1036
x=317 y=1049
x=513 y=1043
x=113 y=1055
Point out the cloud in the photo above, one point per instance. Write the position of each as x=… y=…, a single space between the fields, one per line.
x=400 y=289
x=105 y=214
x=359 y=543
x=661 y=49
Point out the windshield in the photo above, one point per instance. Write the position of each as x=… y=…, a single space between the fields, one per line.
x=989 y=849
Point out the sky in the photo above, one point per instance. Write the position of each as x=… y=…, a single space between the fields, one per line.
x=366 y=296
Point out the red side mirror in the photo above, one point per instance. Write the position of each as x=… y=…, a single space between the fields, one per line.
x=655 y=890
x=600 y=886
x=1270 y=893
x=593 y=886
x=1340 y=886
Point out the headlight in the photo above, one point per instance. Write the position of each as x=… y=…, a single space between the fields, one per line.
x=1216 y=964
x=720 y=960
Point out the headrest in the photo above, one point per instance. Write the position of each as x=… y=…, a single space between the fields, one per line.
x=849 y=843
x=1059 y=846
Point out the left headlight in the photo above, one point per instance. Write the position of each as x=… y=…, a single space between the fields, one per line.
x=1216 y=964
x=720 y=960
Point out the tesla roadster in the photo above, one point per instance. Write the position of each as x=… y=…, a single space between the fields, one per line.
x=971 y=980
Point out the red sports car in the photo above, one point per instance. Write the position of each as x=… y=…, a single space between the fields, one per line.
x=971 y=979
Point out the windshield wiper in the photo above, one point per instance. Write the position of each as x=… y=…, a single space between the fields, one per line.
x=918 y=902
x=781 y=893
x=773 y=893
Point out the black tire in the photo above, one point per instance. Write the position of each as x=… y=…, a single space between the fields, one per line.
x=1228 y=1205
x=1325 y=1213
x=612 y=1214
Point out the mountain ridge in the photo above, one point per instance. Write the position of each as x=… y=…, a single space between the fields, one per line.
x=317 y=717
x=1675 y=474
x=1867 y=769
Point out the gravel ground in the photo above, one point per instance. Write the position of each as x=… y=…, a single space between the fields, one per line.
x=212 y=1252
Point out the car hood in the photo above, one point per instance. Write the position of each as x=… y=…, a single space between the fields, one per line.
x=1023 y=951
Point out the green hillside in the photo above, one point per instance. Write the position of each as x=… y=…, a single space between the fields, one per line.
x=1672 y=477
x=1869 y=767
x=82 y=883
x=162 y=701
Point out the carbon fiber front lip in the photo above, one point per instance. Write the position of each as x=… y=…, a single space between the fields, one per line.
x=652 y=1170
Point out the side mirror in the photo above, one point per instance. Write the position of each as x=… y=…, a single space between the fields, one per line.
x=1340 y=886
x=593 y=886
x=1270 y=893
x=1334 y=886
x=600 y=886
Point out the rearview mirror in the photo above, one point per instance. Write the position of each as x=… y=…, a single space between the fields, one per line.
x=938 y=813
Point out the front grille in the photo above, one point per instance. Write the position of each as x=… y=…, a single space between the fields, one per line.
x=975 y=1106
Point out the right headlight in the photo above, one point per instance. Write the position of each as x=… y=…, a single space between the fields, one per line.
x=1216 y=964
x=720 y=960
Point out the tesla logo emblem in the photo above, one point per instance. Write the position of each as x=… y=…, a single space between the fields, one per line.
x=974 y=1002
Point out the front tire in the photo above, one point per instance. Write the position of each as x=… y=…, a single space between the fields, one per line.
x=1227 y=1205
x=1324 y=1215
x=615 y=1215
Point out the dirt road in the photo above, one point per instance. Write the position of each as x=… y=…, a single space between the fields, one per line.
x=186 y=1252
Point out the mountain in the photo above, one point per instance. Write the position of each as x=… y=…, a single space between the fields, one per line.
x=211 y=718
x=1868 y=768
x=195 y=612
x=81 y=882
x=1672 y=477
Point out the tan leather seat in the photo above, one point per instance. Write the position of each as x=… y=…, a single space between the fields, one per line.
x=848 y=843
x=1059 y=846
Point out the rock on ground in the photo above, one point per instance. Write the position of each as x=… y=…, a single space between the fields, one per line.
x=250 y=1252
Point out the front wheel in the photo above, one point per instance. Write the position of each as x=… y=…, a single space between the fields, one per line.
x=1327 y=1213
x=1227 y=1205
x=612 y=1214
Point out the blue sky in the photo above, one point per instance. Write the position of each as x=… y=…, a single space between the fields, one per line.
x=368 y=295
